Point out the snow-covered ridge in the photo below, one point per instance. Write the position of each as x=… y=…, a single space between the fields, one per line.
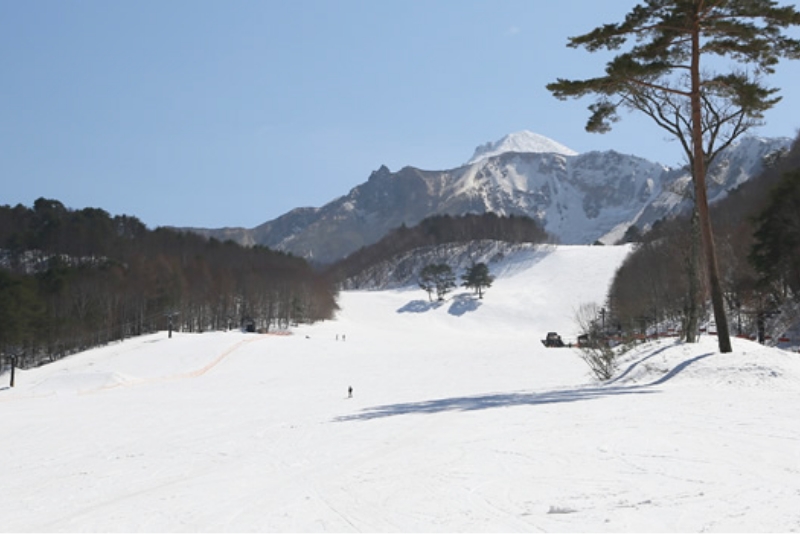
x=578 y=198
x=524 y=141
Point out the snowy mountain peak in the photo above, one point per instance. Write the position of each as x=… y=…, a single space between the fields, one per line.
x=578 y=199
x=524 y=141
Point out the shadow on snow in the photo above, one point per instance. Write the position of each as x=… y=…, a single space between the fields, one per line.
x=485 y=402
x=507 y=400
x=420 y=306
x=459 y=305
x=667 y=376
x=463 y=304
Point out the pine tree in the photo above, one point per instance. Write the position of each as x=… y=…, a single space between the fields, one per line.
x=438 y=277
x=478 y=278
x=427 y=280
x=661 y=76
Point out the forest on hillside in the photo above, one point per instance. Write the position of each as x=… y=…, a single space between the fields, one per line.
x=757 y=234
x=439 y=230
x=74 y=279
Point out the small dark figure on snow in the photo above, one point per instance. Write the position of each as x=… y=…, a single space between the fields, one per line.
x=350 y=392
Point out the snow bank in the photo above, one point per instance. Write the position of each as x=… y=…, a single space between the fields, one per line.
x=750 y=365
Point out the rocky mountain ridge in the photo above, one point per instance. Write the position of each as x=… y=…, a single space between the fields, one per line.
x=579 y=198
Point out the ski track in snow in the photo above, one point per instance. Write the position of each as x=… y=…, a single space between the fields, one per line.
x=458 y=422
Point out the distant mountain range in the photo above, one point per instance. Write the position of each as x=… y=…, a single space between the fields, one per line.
x=579 y=198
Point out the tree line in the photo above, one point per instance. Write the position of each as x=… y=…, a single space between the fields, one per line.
x=74 y=279
x=757 y=231
x=439 y=230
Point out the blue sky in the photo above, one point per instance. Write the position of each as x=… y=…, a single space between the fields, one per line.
x=231 y=113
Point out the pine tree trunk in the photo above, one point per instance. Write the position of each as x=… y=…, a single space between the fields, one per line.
x=701 y=199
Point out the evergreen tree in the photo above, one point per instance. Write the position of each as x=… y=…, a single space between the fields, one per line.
x=438 y=277
x=478 y=278
x=661 y=76
x=427 y=280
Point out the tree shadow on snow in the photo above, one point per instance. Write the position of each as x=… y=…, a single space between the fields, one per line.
x=459 y=305
x=636 y=364
x=486 y=402
x=463 y=304
x=668 y=375
x=507 y=400
x=420 y=306
x=678 y=368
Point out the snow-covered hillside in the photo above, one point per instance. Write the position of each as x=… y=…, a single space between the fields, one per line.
x=460 y=420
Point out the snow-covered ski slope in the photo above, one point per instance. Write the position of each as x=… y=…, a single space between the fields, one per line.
x=460 y=421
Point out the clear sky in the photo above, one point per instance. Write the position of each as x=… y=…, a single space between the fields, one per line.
x=233 y=112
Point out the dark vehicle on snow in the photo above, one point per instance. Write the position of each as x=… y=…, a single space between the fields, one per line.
x=553 y=340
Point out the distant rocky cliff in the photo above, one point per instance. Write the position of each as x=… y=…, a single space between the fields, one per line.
x=579 y=198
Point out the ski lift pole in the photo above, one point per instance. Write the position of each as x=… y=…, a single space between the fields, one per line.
x=13 y=360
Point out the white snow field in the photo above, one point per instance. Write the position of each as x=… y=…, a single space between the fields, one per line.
x=460 y=420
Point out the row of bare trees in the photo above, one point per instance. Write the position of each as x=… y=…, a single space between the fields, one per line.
x=661 y=285
x=70 y=280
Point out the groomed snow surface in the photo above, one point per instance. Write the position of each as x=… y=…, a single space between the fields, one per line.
x=460 y=420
